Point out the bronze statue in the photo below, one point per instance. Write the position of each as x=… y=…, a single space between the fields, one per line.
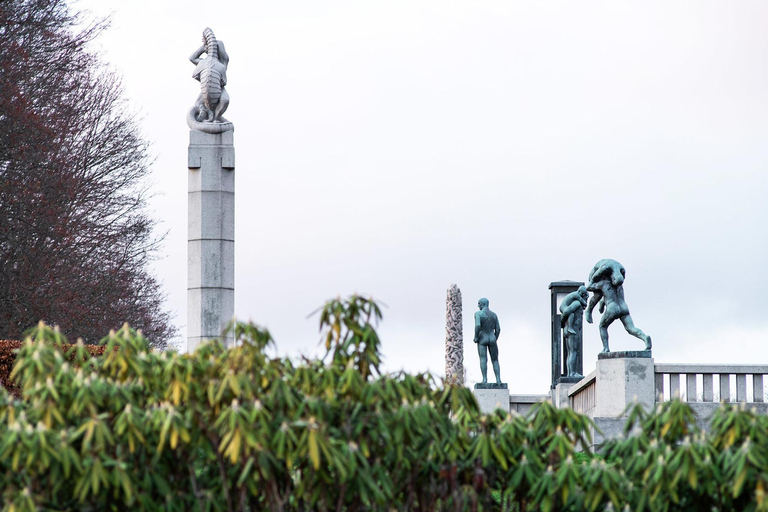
x=606 y=282
x=571 y=311
x=487 y=332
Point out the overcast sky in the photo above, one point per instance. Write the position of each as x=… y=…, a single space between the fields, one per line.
x=392 y=148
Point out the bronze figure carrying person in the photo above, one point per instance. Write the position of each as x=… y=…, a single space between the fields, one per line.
x=606 y=282
x=487 y=332
x=572 y=311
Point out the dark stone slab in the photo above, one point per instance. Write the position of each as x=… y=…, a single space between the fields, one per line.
x=569 y=380
x=491 y=385
x=565 y=284
x=645 y=354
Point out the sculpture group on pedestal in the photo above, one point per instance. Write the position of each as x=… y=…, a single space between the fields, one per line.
x=487 y=332
x=606 y=282
x=210 y=200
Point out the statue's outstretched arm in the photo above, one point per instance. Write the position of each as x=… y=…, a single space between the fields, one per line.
x=195 y=57
x=596 y=297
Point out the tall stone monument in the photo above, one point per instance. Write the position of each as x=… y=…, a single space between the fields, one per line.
x=211 y=199
x=454 y=337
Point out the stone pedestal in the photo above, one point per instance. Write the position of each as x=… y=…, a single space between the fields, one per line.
x=619 y=380
x=491 y=397
x=211 y=236
x=560 y=392
x=622 y=380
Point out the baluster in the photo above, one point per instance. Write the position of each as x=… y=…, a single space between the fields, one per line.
x=741 y=387
x=709 y=393
x=725 y=387
x=757 y=387
x=690 y=388
x=674 y=386
x=659 y=380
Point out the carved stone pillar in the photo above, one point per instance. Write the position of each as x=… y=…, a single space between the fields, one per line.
x=454 y=337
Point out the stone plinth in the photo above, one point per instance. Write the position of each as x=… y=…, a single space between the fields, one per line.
x=211 y=236
x=492 y=396
x=621 y=382
x=491 y=385
x=624 y=354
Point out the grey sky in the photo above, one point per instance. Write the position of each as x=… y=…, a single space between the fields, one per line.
x=393 y=148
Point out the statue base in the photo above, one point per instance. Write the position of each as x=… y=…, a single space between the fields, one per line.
x=491 y=385
x=625 y=354
x=492 y=396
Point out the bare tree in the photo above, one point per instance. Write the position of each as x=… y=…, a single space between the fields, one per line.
x=75 y=237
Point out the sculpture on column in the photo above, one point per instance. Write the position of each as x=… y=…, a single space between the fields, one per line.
x=211 y=72
x=606 y=282
x=487 y=332
x=454 y=337
x=572 y=310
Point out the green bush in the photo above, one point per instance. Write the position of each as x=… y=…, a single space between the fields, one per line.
x=239 y=430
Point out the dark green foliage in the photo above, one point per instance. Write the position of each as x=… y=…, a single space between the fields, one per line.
x=239 y=430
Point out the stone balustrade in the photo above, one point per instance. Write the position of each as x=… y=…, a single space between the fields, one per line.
x=717 y=381
x=521 y=404
x=582 y=395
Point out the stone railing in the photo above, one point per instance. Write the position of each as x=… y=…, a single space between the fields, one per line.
x=521 y=404
x=716 y=380
x=582 y=395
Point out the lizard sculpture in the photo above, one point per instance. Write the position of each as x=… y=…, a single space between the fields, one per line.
x=211 y=72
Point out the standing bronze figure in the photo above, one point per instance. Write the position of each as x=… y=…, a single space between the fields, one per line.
x=487 y=332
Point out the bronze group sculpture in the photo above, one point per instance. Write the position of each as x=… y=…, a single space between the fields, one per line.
x=487 y=332
x=606 y=282
x=572 y=310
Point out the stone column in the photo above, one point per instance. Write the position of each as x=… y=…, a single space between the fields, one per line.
x=621 y=379
x=211 y=236
x=454 y=337
x=492 y=396
x=624 y=378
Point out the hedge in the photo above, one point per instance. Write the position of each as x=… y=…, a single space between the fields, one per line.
x=8 y=351
x=241 y=430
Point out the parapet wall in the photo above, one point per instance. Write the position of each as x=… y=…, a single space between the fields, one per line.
x=605 y=394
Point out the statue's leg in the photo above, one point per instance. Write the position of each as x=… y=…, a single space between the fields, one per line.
x=605 y=321
x=483 y=353
x=570 y=364
x=222 y=106
x=629 y=325
x=493 y=348
x=612 y=312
